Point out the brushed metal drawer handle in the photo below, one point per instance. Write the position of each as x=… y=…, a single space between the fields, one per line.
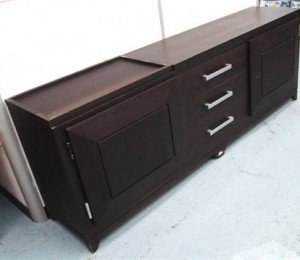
x=229 y=120
x=229 y=93
x=218 y=72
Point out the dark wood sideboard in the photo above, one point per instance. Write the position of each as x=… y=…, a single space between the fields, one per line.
x=101 y=142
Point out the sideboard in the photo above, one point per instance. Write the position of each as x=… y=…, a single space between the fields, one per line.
x=104 y=141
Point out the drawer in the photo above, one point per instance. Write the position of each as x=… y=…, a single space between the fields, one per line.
x=198 y=120
x=210 y=74
x=197 y=140
x=217 y=99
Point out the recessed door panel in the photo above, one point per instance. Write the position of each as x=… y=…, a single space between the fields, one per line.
x=136 y=151
x=126 y=151
x=273 y=65
x=277 y=66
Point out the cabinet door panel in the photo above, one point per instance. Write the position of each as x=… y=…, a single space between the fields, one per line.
x=132 y=153
x=273 y=65
x=127 y=150
x=277 y=66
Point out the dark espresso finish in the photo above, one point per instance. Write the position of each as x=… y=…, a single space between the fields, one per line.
x=103 y=141
x=194 y=82
x=89 y=87
x=196 y=45
x=273 y=57
x=124 y=148
x=197 y=118
x=139 y=149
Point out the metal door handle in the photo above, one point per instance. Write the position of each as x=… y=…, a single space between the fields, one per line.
x=220 y=100
x=229 y=120
x=218 y=72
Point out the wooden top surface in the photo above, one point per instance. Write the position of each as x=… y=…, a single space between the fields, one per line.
x=115 y=77
x=181 y=47
x=64 y=95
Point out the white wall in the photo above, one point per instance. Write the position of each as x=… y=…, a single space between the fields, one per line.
x=42 y=40
x=181 y=15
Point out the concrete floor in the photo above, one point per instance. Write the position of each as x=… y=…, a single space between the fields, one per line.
x=244 y=206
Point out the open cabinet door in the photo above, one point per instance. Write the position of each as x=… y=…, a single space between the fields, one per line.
x=125 y=150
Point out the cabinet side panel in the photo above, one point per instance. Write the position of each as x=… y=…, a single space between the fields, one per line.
x=43 y=156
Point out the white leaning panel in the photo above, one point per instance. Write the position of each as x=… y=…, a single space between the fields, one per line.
x=8 y=179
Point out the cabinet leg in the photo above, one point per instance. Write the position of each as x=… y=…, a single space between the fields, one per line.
x=219 y=154
x=295 y=97
x=93 y=245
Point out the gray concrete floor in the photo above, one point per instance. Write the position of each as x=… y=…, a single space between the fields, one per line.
x=244 y=206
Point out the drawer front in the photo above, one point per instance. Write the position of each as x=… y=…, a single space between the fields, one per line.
x=273 y=65
x=213 y=72
x=206 y=135
x=218 y=97
x=126 y=151
x=205 y=129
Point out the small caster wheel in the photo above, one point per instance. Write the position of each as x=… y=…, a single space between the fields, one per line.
x=218 y=154
x=93 y=245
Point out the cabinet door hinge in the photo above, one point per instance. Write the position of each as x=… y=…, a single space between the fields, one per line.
x=88 y=210
x=70 y=151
